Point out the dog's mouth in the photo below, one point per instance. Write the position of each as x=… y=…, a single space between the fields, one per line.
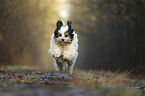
x=65 y=42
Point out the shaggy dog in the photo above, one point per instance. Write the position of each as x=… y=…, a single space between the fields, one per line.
x=64 y=47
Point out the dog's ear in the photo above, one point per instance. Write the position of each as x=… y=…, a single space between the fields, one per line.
x=59 y=24
x=70 y=29
x=69 y=23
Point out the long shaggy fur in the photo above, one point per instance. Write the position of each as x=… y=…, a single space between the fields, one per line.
x=64 y=47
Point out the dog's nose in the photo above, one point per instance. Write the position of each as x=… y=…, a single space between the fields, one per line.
x=62 y=39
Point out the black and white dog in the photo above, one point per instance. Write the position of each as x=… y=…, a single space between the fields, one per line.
x=64 y=47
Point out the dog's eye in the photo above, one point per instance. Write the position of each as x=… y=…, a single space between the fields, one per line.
x=66 y=35
x=59 y=35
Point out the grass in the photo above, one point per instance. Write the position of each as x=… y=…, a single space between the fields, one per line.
x=107 y=78
x=107 y=83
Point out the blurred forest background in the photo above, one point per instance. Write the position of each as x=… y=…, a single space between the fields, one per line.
x=111 y=32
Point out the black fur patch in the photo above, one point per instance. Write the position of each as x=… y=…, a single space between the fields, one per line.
x=59 y=24
x=69 y=23
x=56 y=33
x=70 y=30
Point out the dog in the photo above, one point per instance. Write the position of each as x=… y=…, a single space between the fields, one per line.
x=64 y=47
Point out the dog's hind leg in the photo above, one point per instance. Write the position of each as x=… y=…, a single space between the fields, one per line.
x=58 y=64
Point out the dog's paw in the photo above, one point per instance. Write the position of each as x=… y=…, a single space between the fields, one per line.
x=56 y=55
x=66 y=57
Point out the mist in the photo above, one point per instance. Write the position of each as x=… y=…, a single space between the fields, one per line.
x=111 y=33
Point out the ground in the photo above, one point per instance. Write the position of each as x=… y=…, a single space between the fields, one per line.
x=28 y=82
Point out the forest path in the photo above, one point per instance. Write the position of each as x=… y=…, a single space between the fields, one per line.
x=44 y=83
x=39 y=83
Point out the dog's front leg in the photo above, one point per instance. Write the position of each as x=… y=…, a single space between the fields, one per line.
x=59 y=64
x=55 y=51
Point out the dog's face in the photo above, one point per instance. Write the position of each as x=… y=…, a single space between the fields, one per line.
x=64 y=34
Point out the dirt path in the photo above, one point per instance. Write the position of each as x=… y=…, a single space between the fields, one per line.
x=36 y=83
x=41 y=83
